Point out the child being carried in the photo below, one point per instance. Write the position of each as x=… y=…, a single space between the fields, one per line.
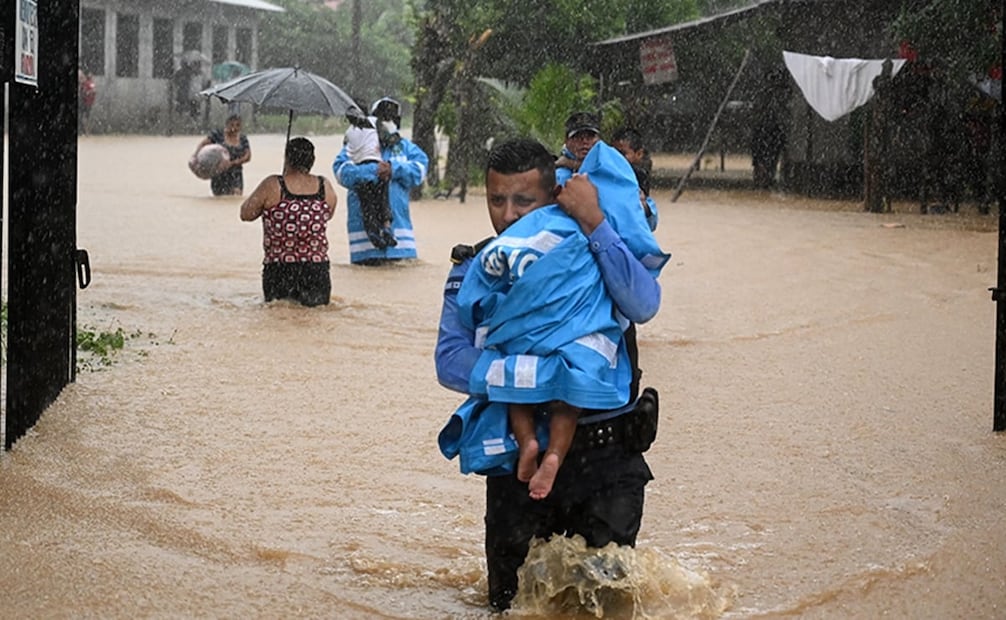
x=363 y=145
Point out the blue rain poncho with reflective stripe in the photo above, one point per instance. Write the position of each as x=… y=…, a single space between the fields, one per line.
x=536 y=295
x=537 y=290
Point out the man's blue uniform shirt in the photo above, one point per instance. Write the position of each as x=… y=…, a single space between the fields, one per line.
x=635 y=293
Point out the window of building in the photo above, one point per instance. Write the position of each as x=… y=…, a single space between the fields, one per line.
x=163 y=46
x=127 y=45
x=220 y=44
x=243 y=46
x=92 y=41
x=192 y=36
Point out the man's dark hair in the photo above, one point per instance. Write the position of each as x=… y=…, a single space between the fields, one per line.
x=518 y=155
x=630 y=135
x=300 y=154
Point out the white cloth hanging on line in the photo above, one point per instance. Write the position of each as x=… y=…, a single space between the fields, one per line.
x=835 y=86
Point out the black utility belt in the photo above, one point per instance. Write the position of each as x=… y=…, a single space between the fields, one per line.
x=599 y=434
x=634 y=430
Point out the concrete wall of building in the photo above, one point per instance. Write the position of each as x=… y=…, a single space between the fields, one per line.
x=143 y=103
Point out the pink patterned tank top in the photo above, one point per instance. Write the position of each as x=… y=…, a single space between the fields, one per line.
x=294 y=229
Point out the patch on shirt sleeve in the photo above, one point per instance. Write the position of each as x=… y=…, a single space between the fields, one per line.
x=453 y=284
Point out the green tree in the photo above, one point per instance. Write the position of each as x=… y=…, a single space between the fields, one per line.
x=715 y=7
x=530 y=34
x=443 y=29
x=320 y=39
x=964 y=37
x=554 y=93
x=524 y=36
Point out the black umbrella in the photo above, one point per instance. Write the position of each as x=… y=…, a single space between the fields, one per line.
x=289 y=88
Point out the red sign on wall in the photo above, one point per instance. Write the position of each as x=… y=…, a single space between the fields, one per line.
x=656 y=58
x=26 y=42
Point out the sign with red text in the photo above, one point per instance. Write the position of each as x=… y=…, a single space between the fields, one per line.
x=26 y=42
x=656 y=57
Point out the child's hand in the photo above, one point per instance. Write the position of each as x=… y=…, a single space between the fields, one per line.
x=566 y=162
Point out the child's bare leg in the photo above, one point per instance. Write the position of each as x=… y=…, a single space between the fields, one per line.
x=522 y=425
x=561 y=429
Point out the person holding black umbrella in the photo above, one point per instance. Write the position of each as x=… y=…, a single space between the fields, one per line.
x=404 y=167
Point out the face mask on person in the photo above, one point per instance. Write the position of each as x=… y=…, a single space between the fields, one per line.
x=387 y=133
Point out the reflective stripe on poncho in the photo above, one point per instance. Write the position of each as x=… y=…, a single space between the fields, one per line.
x=536 y=295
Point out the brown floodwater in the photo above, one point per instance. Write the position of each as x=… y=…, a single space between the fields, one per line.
x=825 y=447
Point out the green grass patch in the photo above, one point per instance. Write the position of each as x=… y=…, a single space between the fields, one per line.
x=99 y=349
x=96 y=348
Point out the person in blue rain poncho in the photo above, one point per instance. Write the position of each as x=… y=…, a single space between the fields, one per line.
x=583 y=131
x=629 y=142
x=536 y=294
x=598 y=493
x=404 y=167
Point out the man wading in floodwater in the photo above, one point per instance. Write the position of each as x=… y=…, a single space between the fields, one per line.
x=599 y=490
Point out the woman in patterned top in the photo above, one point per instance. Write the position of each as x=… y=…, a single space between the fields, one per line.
x=295 y=208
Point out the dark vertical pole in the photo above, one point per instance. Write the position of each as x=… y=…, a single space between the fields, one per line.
x=999 y=293
x=999 y=297
x=875 y=187
x=354 y=50
x=6 y=73
x=42 y=222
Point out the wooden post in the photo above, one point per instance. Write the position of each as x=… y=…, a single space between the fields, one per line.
x=875 y=151
x=712 y=126
x=868 y=190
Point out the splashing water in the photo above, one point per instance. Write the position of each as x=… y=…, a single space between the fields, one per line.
x=565 y=577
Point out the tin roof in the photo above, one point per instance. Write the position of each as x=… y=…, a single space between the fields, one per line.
x=259 y=5
x=712 y=19
x=720 y=19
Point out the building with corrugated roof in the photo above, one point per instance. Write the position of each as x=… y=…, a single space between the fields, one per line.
x=676 y=107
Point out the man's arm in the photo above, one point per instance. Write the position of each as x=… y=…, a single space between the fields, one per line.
x=635 y=292
x=412 y=171
x=349 y=174
x=455 y=355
